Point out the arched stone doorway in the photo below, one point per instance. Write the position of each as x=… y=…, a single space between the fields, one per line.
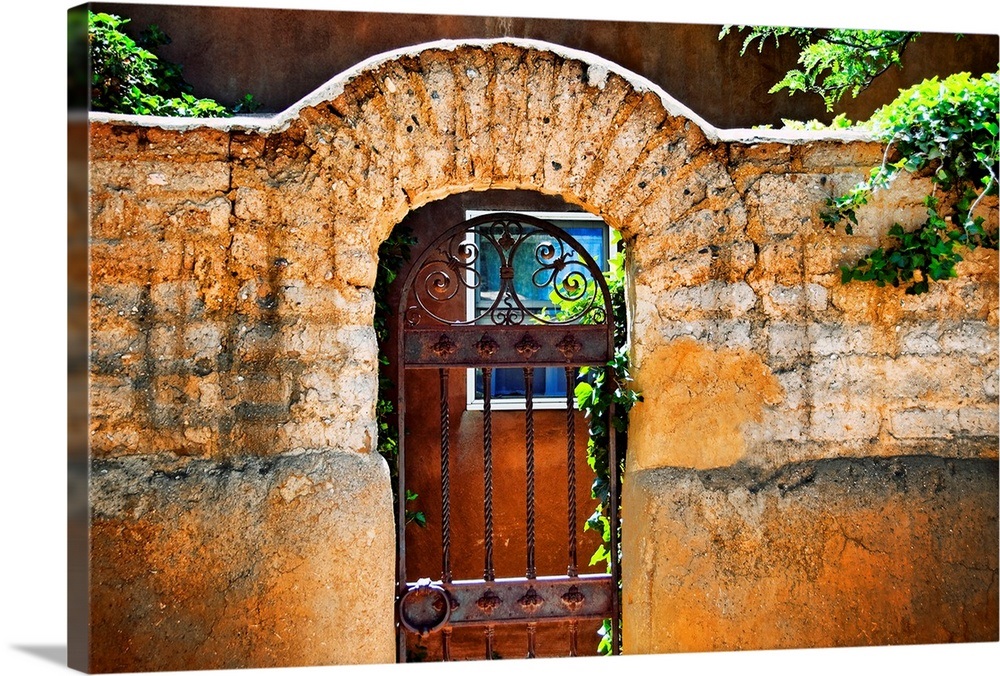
x=296 y=208
x=551 y=555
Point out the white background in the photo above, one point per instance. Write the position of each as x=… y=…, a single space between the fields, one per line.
x=33 y=335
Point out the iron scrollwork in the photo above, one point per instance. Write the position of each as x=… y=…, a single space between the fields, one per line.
x=535 y=260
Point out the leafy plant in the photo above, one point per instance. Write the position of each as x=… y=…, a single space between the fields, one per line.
x=415 y=516
x=248 y=104
x=946 y=130
x=596 y=390
x=392 y=254
x=127 y=77
x=834 y=61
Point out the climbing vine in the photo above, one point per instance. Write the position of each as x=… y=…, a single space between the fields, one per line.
x=594 y=396
x=392 y=255
x=942 y=129
x=946 y=130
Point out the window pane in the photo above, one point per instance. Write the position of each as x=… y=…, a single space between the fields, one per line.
x=509 y=383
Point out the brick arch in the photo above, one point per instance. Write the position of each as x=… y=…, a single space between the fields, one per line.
x=405 y=129
x=441 y=119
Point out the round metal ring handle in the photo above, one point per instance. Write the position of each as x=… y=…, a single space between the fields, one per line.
x=425 y=608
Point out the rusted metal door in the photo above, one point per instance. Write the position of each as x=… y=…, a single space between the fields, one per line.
x=512 y=263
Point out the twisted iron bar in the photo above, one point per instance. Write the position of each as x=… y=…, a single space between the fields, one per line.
x=571 y=467
x=445 y=481
x=446 y=644
x=529 y=440
x=488 y=572
x=489 y=641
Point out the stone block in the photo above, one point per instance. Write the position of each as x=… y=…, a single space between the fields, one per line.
x=840 y=424
x=203 y=340
x=787 y=343
x=919 y=423
x=980 y=421
x=970 y=337
x=822 y=545
x=180 y=299
x=785 y=204
x=265 y=561
x=841 y=339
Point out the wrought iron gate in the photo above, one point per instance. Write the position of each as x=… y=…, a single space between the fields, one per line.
x=529 y=258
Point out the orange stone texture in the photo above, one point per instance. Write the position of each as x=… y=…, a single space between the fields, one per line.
x=812 y=464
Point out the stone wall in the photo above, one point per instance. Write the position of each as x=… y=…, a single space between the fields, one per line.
x=797 y=436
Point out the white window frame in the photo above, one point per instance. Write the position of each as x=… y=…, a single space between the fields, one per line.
x=519 y=403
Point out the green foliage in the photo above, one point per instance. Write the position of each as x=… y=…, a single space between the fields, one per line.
x=248 y=104
x=127 y=77
x=596 y=390
x=927 y=253
x=838 y=122
x=834 y=61
x=392 y=254
x=415 y=516
x=946 y=130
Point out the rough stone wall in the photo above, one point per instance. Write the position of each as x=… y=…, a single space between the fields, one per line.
x=233 y=369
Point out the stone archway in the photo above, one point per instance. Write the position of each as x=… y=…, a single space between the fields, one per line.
x=232 y=264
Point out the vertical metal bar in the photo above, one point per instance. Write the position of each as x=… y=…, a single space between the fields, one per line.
x=446 y=644
x=529 y=442
x=488 y=572
x=489 y=641
x=531 y=638
x=445 y=481
x=573 y=647
x=400 y=493
x=571 y=466
x=613 y=523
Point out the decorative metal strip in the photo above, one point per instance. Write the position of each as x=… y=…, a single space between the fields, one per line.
x=444 y=347
x=518 y=600
x=469 y=347
x=569 y=346
x=527 y=347
x=531 y=639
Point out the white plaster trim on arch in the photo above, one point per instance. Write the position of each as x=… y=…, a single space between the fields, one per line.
x=598 y=70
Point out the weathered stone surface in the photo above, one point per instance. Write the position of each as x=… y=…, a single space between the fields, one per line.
x=279 y=562
x=830 y=553
x=696 y=398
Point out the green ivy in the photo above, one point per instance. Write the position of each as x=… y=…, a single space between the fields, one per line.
x=127 y=77
x=392 y=255
x=946 y=130
x=594 y=396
